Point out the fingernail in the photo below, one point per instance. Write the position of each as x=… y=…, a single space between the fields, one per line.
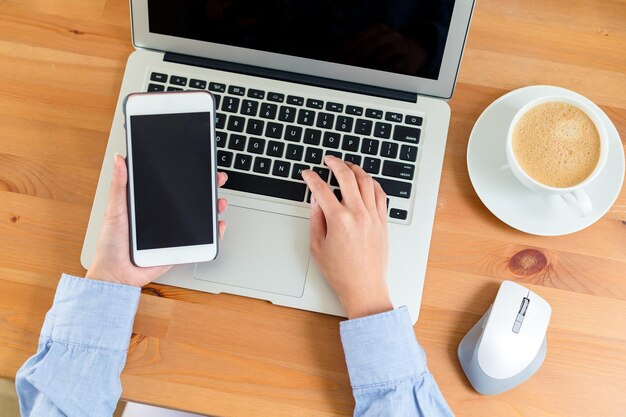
x=115 y=159
x=313 y=201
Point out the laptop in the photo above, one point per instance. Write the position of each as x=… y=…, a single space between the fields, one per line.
x=295 y=80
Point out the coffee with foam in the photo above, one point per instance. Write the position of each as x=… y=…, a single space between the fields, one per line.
x=556 y=144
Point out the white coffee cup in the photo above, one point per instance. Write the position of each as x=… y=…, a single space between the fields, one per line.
x=575 y=196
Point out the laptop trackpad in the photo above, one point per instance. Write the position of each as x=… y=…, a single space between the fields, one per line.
x=261 y=251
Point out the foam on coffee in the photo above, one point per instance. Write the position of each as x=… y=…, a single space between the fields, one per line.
x=557 y=144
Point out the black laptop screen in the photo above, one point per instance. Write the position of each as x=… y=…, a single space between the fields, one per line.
x=399 y=36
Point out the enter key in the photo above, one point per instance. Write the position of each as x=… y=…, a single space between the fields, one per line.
x=398 y=170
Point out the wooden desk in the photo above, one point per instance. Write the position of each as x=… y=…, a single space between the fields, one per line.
x=61 y=65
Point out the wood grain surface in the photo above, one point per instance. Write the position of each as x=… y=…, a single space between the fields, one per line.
x=61 y=65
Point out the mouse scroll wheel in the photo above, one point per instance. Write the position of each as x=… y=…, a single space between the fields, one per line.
x=521 y=314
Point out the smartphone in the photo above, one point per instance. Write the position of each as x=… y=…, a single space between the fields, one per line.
x=172 y=177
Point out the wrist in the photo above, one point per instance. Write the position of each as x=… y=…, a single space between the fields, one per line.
x=100 y=274
x=360 y=308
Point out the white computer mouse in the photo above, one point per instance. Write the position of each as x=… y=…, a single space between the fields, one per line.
x=508 y=344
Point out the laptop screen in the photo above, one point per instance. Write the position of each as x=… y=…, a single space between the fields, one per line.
x=399 y=36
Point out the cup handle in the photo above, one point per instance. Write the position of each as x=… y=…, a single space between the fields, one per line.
x=580 y=200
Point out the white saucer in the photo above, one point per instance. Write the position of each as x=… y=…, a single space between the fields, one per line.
x=513 y=203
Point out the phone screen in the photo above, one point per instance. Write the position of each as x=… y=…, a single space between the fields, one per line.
x=172 y=179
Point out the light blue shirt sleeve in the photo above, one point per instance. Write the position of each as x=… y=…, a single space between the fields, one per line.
x=387 y=368
x=84 y=340
x=81 y=353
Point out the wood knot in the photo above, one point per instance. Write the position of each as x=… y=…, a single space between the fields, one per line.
x=76 y=32
x=528 y=262
x=15 y=218
x=151 y=291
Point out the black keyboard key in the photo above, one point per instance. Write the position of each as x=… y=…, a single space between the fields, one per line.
x=393 y=117
x=395 y=188
x=252 y=93
x=262 y=165
x=354 y=110
x=155 y=87
x=237 y=142
x=331 y=140
x=217 y=87
x=277 y=97
x=407 y=134
x=313 y=155
x=312 y=136
x=296 y=173
x=268 y=111
x=178 y=80
x=236 y=90
x=398 y=170
x=298 y=101
x=287 y=114
x=355 y=159
x=398 y=214
x=333 y=153
x=314 y=103
x=325 y=120
x=371 y=165
x=389 y=149
x=272 y=187
x=324 y=173
x=306 y=117
x=363 y=127
x=220 y=139
x=224 y=158
x=413 y=120
x=336 y=107
x=256 y=145
x=333 y=181
x=220 y=120
x=337 y=193
x=230 y=104
x=294 y=152
x=193 y=83
x=243 y=162
x=408 y=153
x=382 y=130
x=350 y=143
x=174 y=89
x=281 y=169
x=158 y=77
x=344 y=123
x=293 y=133
x=217 y=98
x=236 y=123
x=374 y=114
x=274 y=130
x=275 y=148
x=255 y=127
x=249 y=107
x=369 y=146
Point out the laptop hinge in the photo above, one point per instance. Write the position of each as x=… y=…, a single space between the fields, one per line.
x=291 y=77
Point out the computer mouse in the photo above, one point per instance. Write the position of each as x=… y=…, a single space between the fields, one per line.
x=508 y=344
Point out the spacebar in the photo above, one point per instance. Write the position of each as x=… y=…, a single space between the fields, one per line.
x=272 y=187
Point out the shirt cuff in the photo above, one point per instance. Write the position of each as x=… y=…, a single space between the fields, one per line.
x=92 y=313
x=381 y=348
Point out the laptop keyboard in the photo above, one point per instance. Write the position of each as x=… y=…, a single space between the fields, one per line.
x=265 y=139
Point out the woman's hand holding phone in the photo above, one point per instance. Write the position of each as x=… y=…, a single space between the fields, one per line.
x=112 y=261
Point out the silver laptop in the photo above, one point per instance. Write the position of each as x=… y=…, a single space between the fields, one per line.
x=295 y=80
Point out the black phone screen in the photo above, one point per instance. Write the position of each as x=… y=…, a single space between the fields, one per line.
x=173 y=176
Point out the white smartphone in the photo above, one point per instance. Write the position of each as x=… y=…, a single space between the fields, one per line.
x=172 y=177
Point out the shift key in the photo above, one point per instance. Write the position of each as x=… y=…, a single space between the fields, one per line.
x=407 y=134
